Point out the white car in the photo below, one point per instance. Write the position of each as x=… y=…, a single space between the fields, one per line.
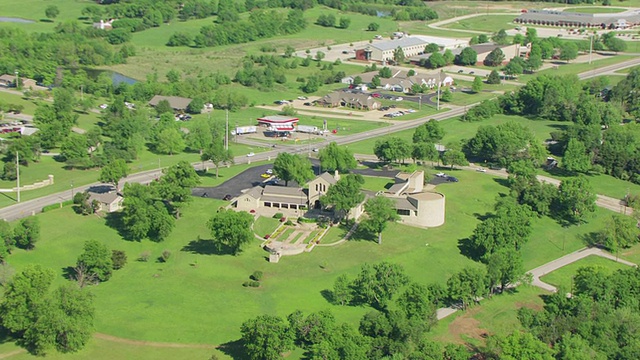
x=250 y=154
x=315 y=150
x=302 y=98
x=269 y=171
x=481 y=170
x=104 y=106
x=399 y=98
x=440 y=174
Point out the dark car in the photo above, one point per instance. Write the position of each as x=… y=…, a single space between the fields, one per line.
x=452 y=179
x=307 y=104
x=472 y=72
x=227 y=197
x=460 y=71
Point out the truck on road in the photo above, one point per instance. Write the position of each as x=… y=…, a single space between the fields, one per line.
x=307 y=129
x=240 y=130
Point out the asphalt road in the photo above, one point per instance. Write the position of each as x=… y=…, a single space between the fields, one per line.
x=30 y=207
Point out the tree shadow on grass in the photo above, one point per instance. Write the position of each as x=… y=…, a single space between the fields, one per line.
x=68 y=272
x=114 y=220
x=502 y=181
x=467 y=249
x=328 y=295
x=363 y=235
x=207 y=247
x=591 y=239
x=234 y=349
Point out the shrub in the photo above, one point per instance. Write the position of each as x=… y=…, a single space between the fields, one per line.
x=119 y=259
x=278 y=215
x=144 y=256
x=257 y=275
x=289 y=223
x=166 y=254
x=254 y=283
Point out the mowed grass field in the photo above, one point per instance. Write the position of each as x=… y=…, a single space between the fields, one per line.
x=563 y=277
x=488 y=23
x=596 y=10
x=197 y=297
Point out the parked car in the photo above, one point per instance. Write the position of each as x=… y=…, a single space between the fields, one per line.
x=452 y=179
x=481 y=170
x=315 y=150
x=251 y=154
x=307 y=104
x=399 y=98
x=460 y=71
x=441 y=174
x=227 y=197
x=472 y=72
x=269 y=171
x=265 y=176
x=302 y=98
x=345 y=52
x=104 y=106
x=375 y=95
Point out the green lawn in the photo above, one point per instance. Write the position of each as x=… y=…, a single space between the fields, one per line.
x=34 y=10
x=265 y=225
x=563 y=277
x=602 y=184
x=564 y=69
x=195 y=284
x=376 y=183
x=488 y=23
x=496 y=315
x=596 y=10
x=336 y=233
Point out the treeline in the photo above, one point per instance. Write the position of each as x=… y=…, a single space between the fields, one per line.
x=385 y=331
x=38 y=55
x=260 y=24
x=596 y=139
x=399 y=10
x=598 y=321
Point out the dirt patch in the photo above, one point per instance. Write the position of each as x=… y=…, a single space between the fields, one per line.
x=151 y=343
x=528 y=305
x=12 y=353
x=468 y=326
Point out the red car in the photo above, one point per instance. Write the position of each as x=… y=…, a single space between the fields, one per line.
x=376 y=95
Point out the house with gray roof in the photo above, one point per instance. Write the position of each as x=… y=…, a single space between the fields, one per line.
x=109 y=199
x=347 y=99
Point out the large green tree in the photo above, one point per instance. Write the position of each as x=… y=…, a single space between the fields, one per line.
x=266 y=337
x=392 y=149
x=23 y=297
x=176 y=183
x=380 y=211
x=466 y=286
x=113 y=172
x=65 y=323
x=345 y=194
x=96 y=260
x=431 y=131
x=576 y=199
x=377 y=284
x=231 y=229
x=294 y=167
x=217 y=154
x=575 y=157
x=27 y=232
x=333 y=157
x=619 y=232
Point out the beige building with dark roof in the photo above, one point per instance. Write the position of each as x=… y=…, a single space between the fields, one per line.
x=356 y=101
x=415 y=206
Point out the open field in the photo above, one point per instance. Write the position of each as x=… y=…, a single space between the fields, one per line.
x=496 y=315
x=563 y=277
x=488 y=23
x=602 y=183
x=34 y=10
x=196 y=282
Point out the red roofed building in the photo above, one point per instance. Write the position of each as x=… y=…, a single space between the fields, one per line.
x=279 y=123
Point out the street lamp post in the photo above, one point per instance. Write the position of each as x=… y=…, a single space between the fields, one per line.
x=71 y=189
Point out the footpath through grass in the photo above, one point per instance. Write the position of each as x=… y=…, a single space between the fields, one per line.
x=563 y=277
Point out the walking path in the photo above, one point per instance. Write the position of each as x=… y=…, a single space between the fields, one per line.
x=551 y=266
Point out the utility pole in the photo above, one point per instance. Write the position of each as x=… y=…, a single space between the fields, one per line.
x=438 y=103
x=71 y=189
x=17 y=78
x=590 y=48
x=420 y=103
x=81 y=92
x=18 y=172
x=226 y=130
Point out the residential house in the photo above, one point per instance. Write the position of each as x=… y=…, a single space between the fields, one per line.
x=400 y=81
x=353 y=100
x=109 y=200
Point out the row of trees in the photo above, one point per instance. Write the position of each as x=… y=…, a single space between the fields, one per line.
x=25 y=234
x=330 y=21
